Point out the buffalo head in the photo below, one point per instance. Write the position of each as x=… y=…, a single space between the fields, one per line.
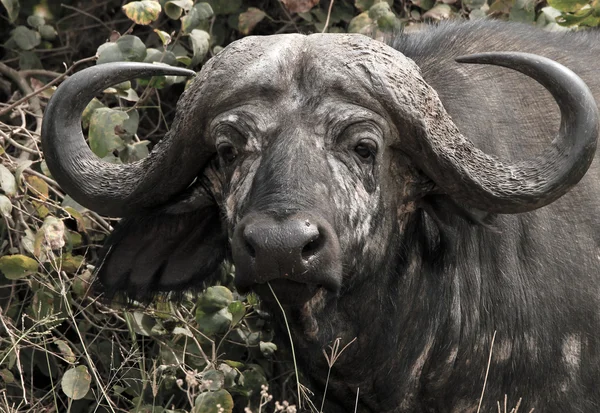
x=301 y=158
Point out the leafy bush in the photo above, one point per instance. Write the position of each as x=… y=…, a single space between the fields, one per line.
x=61 y=347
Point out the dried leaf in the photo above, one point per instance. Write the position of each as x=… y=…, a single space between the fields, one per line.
x=17 y=266
x=8 y=183
x=438 y=12
x=76 y=382
x=299 y=6
x=142 y=12
x=38 y=187
x=568 y=6
x=65 y=350
x=249 y=19
x=5 y=206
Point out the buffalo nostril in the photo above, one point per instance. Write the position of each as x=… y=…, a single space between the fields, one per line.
x=250 y=249
x=312 y=247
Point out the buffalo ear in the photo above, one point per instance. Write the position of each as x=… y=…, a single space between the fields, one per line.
x=170 y=250
x=444 y=211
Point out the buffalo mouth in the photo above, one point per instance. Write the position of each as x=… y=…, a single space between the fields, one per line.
x=296 y=256
x=287 y=292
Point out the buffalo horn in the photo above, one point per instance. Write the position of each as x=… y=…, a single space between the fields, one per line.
x=111 y=189
x=484 y=182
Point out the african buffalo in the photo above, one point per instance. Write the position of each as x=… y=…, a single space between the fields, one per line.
x=390 y=193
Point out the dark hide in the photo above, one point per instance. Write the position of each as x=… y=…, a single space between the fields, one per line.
x=173 y=249
x=425 y=283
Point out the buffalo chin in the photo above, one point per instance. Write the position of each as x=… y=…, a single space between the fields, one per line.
x=289 y=293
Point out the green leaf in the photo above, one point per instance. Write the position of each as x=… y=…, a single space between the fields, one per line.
x=102 y=136
x=249 y=19
x=234 y=364
x=523 y=11
x=213 y=380
x=7 y=376
x=48 y=32
x=185 y=60
x=82 y=284
x=127 y=48
x=89 y=109
x=214 y=299
x=474 y=4
x=17 y=266
x=76 y=382
x=379 y=10
x=238 y=311
x=213 y=323
x=142 y=12
x=165 y=37
x=35 y=21
x=230 y=375
x=12 y=9
x=174 y=9
x=201 y=12
x=200 y=45
x=5 y=206
x=29 y=60
x=70 y=263
x=360 y=23
x=428 y=4
x=252 y=379
x=26 y=39
x=130 y=125
x=161 y=56
x=74 y=239
x=135 y=152
x=364 y=5
x=207 y=402
x=222 y=7
x=568 y=6
x=8 y=183
x=388 y=22
x=583 y=17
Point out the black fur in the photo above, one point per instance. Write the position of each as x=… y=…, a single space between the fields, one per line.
x=449 y=278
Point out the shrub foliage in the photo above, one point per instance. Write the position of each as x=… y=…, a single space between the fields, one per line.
x=61 y=347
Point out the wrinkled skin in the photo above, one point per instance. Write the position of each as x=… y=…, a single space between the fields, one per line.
x=421 y=281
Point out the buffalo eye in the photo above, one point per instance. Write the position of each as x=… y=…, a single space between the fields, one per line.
x=365 y=149
x=227 y=152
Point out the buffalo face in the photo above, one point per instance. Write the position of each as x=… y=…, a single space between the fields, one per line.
x=305 y=163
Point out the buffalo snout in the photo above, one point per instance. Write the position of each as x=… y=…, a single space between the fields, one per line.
x=297 y=255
